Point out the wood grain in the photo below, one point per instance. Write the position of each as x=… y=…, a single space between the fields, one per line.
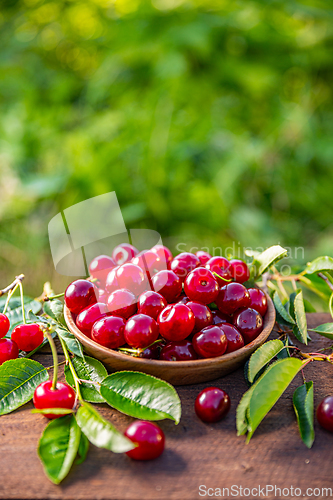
x=196 y=453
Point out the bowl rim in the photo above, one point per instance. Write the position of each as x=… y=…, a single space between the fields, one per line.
x=269 y=321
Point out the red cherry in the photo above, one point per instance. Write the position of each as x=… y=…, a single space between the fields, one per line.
x=325 y=413
x=219 y=318
x=151 y=304
x=184 y=263
x=168 y=284
x=258 y=300
x=220 y=266
x=8 y=350
x=178 y=351
x=202 y=315
x=141 y=331
x=122 y=302
x=102 y=296
x=239 y=270
x=164 y=254
x=89 y=316
x=149 y=439
x=132 y=278
x=45 y=397
x=212 y=404
x=79 y=295
x=27 y=337
x=149 y=262
x=210 y=342
x=4 y=325
x=249 y=323
x=176 y=322
x=200 y=285
x=203 y=257
x=234 y=338
x=232 y=297
x=111 y=283
x=151 y=352
x=124 y=253
x=109 y=331
x=100 y=267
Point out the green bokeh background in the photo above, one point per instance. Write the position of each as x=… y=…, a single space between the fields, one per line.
x=212 y=121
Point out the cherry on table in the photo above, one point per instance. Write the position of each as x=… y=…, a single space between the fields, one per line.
x=79 y=295
x=124 y=253
x=325 y=413
x=204 y=257
x=232 y=296
x=133 y=278
x=149 y=438
x=212 y=404
x=27 y=337
x=89 y=316
x=168 y=284
x=220 y=266
x=184 y=263
x=109 y=331
x=45 y=397
x=258 y=300
x=8 y=350
x=200 y=285
x=202 y=315
x=234 y=337
x=100 y=267
x=122 y=302
x=249 y=322
x=4 y=325
x=239 y=270
x=210 y=342
x=176 y=322
x=178 y=351
x=151 y=303
x=141 y=331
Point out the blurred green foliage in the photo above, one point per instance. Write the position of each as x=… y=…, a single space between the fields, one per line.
x=211 y=119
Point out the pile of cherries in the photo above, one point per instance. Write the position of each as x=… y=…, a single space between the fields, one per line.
x=155 y=306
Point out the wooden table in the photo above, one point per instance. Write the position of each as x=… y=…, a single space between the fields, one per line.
x=196 y=453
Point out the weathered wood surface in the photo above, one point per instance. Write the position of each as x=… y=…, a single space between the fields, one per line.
x=196 y=453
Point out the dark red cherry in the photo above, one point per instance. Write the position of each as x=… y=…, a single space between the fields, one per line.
x=124 y=253
x=132 y=278
x=176 y=322
x=100 y=267
x=219 y=318
x=220 y=266
x=232 y=296
x=89 y=316
x=258 y=300
x=4 y=325
x=141 y=331
x=239 y=270
x=325 y=413
x=109 y=331
x=249 y=323
x=210 y=342
x=45 y=397
x=164 y=254
x=212 y=404
x=200 y=285
x=149 y=439
x=168 y=284
x=203 y=257
x=122 y=302
x=202 y=315
x=234 y=338
x=79 y=295
x=27 y=337
x=8 y=350
x=184 y=263
x=178 y=351
x=151 y=303
x=151 y=352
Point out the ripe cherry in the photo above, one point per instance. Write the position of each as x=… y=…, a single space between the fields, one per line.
x=45 y=397
x=202 y=315
x=150 y=262
x=102 y=296
x=109 y=331
x=325 y=413
x=258 y=300
x=151 y=352
x=200 y=285
x=149 y=439
x=176 y=322
x=8 y=350
x=122 y=302
x=89 y=316
x=212 y=404
x=124 y=253
x=111 y=284
x=184 y=263
x=132 y=278
x=232 y=297
x=100 y=267
x=219 y=318
x=239 y=270
x=234 y=338
x=220 y=266
x=178 y=351
x=4 y=325
x=210 y=342
x=151 y=303
x=141 y=331
x=203 y=257
x=168 y=284
x=249 y=323
x=27 y=337
x=79 y=295
x=164 y=254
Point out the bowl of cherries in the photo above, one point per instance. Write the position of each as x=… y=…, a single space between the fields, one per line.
x=186 y=319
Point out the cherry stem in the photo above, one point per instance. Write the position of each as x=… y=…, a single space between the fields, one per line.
x=46 y=299
x=55 y=360
x=59 y=364
x=12 y=285
x=22 y=302
x=71 y=367
x=9 y=296
x=223 y=279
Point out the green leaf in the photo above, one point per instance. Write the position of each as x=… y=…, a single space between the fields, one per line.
x=267 y=258
x=31 y=317
x=326 y=330
x=309 y=308
x=100 y=432
x=141 y=396
x=83 y=449
x=285 y=353
x=320 y=264
x=58 y=447
x=242 y=422
x=87 y=369
x=18 y=381
x=54 y=308
x=301 y=317
x=73 y=345
x=281 y=310
x=303 y=406
x=330 y=305
x=262 y=356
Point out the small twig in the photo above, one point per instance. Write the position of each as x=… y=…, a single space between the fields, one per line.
x=10 y=287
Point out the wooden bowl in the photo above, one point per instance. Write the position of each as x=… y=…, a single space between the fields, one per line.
x=175 y=372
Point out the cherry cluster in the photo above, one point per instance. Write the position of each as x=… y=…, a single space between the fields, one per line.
x=25 y=337
x=188 y=307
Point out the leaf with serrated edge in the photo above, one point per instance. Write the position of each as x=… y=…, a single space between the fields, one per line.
x=18 y=381
x=269 y=388
x=58 y=447
x=87 y=369
x=141 y=396
x=262 y=356
x=241 y=413
x=54 y=308
x=281 y=310
x=267 y=258
x=320 y=264
x=301 y=317
x=303 y=406
x=100 y=432
x=326 y=330
x=73 y=345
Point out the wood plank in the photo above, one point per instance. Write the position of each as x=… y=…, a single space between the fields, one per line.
x=196 y=453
